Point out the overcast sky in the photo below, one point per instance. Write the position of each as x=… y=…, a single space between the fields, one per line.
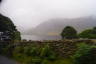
x=29 y=13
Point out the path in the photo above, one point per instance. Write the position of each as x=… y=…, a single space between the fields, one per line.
x=5 y=60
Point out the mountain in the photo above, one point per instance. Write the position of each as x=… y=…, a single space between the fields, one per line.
x=55 y=26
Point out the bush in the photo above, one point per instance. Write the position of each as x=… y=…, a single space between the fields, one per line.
x=85 y=54
x=89 y=33
x=47 y=53
x=82 y=48
x=30 y=51
x=88 y=58
x=35 y=54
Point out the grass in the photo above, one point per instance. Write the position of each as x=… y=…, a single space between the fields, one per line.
x=63 y=61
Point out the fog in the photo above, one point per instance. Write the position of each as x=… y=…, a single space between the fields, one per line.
x=28 y=14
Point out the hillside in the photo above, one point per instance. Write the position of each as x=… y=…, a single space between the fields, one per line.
x=55 y=26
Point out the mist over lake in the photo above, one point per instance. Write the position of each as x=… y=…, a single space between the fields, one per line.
x=36 y=37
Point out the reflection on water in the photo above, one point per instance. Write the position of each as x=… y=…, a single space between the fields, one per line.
x=34 y=37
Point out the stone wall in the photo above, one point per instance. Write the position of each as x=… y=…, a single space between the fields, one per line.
x=63 y=48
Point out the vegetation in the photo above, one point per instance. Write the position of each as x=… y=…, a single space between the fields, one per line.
x=89 y=33
x=82 y=49
x=88 y=58
x=37 y=52
x=34 y=54
x=49 y=52
x=85 y=54
x=7 y=29
x=69 y=33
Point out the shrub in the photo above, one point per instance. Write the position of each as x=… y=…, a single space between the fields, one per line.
x=88 y=58
x=82 y=48
x=47 y=53
x=85 y=54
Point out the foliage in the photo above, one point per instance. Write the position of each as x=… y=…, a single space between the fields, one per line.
x=69 y=33
x=63 y=61
x=94 y=30
x=7 y=28
x=16 y=36
x=44 y=53
x=89 y=33
x=31 y=51
x=82 y=48
x=84 y=55
x=47 y=53
x=37 y=55
x=88 y=58
x=86 y=34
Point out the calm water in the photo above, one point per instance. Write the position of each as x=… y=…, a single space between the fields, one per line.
x=34 y=37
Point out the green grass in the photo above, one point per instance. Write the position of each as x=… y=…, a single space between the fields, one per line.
x=27 y=60
x=63 y=61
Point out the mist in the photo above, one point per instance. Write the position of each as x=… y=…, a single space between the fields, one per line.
x=28 y=14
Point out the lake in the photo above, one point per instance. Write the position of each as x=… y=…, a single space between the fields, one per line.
x=35 y=37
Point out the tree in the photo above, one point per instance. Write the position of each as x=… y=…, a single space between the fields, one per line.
x=85 y=34
x=69 y=33
x=89 y=33
x=7 y=28
x=94 y=30
x=16 y=36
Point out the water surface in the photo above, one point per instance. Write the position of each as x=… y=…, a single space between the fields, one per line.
x=35 y=37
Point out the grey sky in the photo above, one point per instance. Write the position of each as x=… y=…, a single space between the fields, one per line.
x=29 y=13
